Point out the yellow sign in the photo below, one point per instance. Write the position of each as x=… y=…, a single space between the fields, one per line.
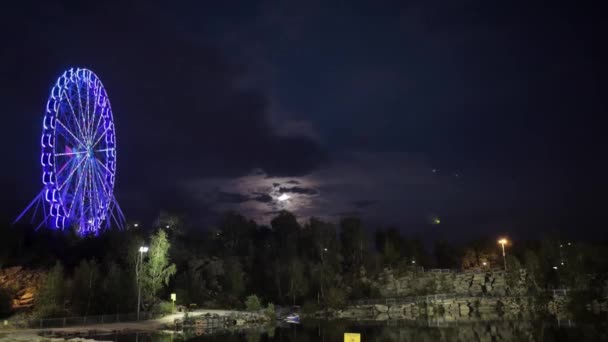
x=352 y=337
x=173 y=297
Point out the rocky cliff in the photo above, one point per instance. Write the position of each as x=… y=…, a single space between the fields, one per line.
x=21 y=284
x=493 y=282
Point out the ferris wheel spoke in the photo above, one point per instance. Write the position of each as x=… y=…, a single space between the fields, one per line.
x=101 y=136
x=105 y=167
x=75 y=194
x=64 y=167
x=70 y=153
x=88 y=113
x=96 y=190
x=89 y=194
x=106 y=149
x=71 y=173
x=95 y=130
x=70 y=132
x=82 y=112
x=102 y=184
x=86 y=193
x=67 y=97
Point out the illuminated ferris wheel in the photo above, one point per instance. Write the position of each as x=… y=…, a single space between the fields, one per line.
x=78 y=156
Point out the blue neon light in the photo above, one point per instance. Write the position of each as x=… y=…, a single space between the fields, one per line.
x=78 y=152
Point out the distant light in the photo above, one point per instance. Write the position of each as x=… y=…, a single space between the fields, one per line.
x=167 y=226
x=554 y=267
x=413 y=261
x=143 y=249
x=136 y=225
x=434 y=170
x=503 y=241
x=568 y=243
x=283 y=197
x=325 y=249
x=436 y=220
x=485 y=263
x=560 y=246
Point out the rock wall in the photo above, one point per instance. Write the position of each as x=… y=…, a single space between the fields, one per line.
x=421 y=283
x=463 y=308
x=22 y=284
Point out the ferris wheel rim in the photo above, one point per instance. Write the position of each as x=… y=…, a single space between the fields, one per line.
x=89 y=144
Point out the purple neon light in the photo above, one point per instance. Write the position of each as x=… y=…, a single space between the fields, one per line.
x=78 y=152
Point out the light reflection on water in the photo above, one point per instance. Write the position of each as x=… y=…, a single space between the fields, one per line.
x=394 y=331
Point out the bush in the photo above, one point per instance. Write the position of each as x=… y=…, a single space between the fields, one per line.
x=270 y=311
x=5 y=303
x=163 y=308
x=48 y=311
x=252 y=303
x=335 y=298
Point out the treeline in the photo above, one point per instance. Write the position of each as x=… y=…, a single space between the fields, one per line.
x=318 y=263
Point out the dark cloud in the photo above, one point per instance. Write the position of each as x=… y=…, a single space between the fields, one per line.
x=505 y=94
x=231 y=197
x=361 y=204
x=180 y=105
x=299 y=190
x=264 y=198
x=342 y=214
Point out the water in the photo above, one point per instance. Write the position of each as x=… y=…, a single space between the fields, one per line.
x=394 y=331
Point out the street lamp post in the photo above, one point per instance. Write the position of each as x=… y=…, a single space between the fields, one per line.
x=503 y=242
x=138 y=266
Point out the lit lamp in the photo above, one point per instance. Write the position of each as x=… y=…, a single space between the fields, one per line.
x=503 y=242
x=173 y=299
x=142 y=250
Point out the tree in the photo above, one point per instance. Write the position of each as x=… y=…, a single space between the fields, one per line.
x=119 y=289
x=446 y=255
x=354 y=244
x=298 y=283
x=51 y=297
x=252 y=303
x=234 y=279
x=535 y=277
x=157 y=269
x=389 y=244
x=234 y=232
x=286 y=229
x=84 y=286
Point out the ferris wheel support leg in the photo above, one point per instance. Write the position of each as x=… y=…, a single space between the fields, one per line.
x=36 y=200
x=120 y=219
x=36 y=211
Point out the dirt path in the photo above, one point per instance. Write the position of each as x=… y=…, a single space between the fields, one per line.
x=148 y=325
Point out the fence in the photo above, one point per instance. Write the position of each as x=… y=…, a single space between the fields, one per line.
x=441 y=270
x=560 y=292
x=204 y=322
x=424 y=299
x=43 y=323
x=443 y=296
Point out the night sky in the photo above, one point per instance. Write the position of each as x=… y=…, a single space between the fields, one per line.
x=484 y=114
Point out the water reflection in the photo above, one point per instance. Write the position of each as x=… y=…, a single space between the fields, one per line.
x=396 y=331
